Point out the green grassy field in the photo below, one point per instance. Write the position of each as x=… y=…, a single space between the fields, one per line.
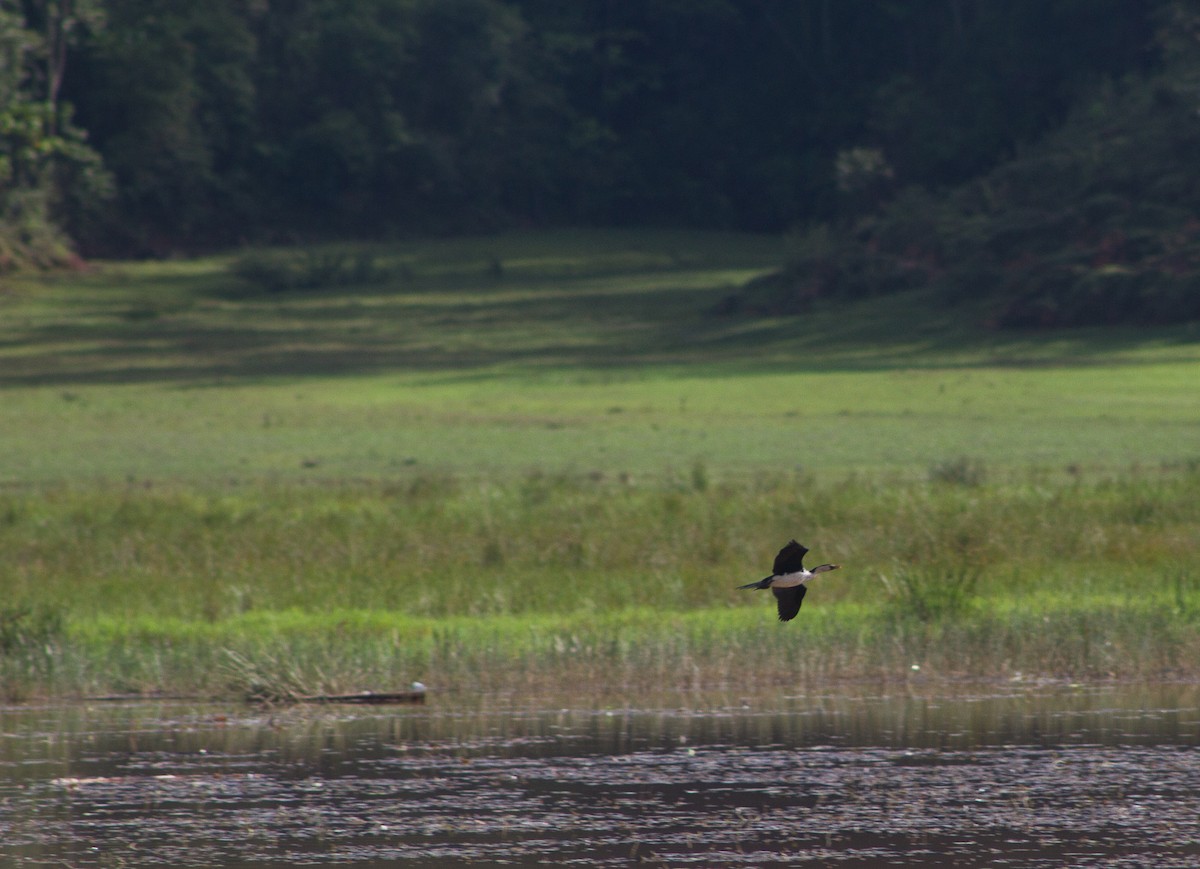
x=540 y=459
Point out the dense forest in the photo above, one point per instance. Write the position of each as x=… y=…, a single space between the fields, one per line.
x=894 y=130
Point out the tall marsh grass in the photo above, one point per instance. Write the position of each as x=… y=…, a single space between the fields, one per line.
x=443 y=546
x=284 y=656
x=469 y=584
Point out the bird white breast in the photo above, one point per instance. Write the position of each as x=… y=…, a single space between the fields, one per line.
x=791 y=580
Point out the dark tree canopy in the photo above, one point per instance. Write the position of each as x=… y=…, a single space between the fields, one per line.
x=226 y=121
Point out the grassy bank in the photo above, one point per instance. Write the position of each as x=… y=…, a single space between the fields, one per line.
x=504 y=463
x=587 y=353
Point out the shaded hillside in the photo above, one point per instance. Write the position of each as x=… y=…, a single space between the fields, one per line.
x=1099 y=223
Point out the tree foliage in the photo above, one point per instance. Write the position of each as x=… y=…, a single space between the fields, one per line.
x=240 y=119
x=48 y=173
x=907 y=128
x=1096 y=224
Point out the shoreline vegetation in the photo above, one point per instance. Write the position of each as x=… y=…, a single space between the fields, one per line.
x=554 y=473
x=539 y=585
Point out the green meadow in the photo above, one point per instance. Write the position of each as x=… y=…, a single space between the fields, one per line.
x=542 y=460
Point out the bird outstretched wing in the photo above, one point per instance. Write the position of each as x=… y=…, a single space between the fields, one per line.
x=790 y=559
x=789 y=600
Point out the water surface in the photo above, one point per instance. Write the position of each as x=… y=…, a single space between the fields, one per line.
x=1025 y=776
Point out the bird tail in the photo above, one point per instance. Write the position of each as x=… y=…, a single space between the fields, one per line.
x=762 y=583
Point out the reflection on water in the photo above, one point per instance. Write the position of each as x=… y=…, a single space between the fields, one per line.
x=1030 y=777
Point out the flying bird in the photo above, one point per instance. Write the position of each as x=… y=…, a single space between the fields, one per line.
x=789 y=580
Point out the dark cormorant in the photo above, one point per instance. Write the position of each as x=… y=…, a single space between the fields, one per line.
x=789 y=579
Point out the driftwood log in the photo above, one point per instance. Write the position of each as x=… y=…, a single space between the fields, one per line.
x=367 y=697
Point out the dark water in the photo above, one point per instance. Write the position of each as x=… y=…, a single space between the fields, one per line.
x=1031 y=776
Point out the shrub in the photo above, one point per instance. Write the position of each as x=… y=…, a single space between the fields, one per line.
x=959 y=472
x=1095 y=225
x=25 y=629
x=30 y=640
x=28 y=237
x=931 y=594
x=289 y=271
